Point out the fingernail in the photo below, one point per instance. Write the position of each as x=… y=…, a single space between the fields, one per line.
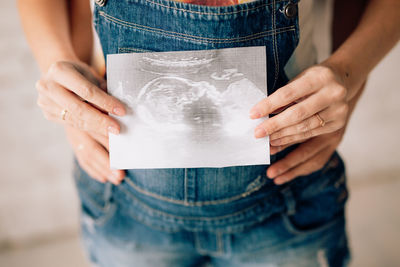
x=119 y=111
x=254 y=114
x=113 y=130
x=271 y=175
x=260 y=132
x=114 y=178
x=116 y=174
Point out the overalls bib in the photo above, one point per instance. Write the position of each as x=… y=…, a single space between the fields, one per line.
x=233 y=216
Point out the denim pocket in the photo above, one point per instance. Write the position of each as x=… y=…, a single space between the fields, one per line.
x=320 y=204
x=95 y=197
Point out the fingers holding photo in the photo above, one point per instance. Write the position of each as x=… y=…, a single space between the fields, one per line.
x=93 y=156
x=72 y=77
x=67 y=96
x=316 y=104
x=329 y=120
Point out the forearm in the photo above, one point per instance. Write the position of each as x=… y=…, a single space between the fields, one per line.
x=47 y=29
x=373 y=38
x=80 y=17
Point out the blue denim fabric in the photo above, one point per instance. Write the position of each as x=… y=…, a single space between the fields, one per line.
x=232 y=216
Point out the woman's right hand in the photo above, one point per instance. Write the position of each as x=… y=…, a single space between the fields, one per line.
x=71 y=93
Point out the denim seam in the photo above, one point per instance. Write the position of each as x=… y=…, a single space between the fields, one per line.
x=109 y=211
x=106 y=213
x=199 y=249
x=193 y=37
x=185 y=202
x=220 y=244
x=97 y=206
x=130 y=49
x=293 y=230
x=216 y=218
x=170 y=230
x=290 y=202
x=212 y=13
x=196 y=203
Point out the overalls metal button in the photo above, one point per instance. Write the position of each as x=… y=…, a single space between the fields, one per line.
x=290 y=10
x=101 y=2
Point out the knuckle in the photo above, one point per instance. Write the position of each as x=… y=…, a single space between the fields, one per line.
x=338 y=93
x=80 y=124
x=314 y=71
x=326 y=73
x=288 y=140
x=304 y=126
x=300 y=113
x=343 y=109
x=318 y=74
x=272 y=126
x=87 y=91
x=278 y=134
x=56 y=67
x=75 y=108
x=289 y=93
x=307 y=134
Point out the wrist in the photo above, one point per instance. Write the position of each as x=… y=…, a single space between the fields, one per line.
x=63 y=55
x=350 y=78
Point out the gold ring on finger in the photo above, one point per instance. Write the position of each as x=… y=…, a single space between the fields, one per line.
x=321 y=121
x=63 y=114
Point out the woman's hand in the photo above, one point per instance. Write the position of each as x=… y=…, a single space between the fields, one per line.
x=91 y=151
x=71 y=93
x=308 y=157
x=312 y=154
x=317 y=105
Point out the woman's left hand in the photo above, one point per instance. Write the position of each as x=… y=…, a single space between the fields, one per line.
x=318 y=104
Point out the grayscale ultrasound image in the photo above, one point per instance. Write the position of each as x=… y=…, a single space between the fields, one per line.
x=188 y=108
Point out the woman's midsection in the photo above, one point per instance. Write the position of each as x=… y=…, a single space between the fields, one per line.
x=200 y=185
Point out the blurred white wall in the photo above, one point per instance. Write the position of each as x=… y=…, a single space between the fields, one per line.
x=36 y=194
x=38 y=204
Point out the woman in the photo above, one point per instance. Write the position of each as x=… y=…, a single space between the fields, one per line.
x=233 y=216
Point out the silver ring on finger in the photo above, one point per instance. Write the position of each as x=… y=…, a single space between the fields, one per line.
x=321 y=121
x=63 y=114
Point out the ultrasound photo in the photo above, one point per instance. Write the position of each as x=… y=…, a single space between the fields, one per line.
x=188 y=109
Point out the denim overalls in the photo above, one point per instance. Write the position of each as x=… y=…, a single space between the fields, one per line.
x=232 y=216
